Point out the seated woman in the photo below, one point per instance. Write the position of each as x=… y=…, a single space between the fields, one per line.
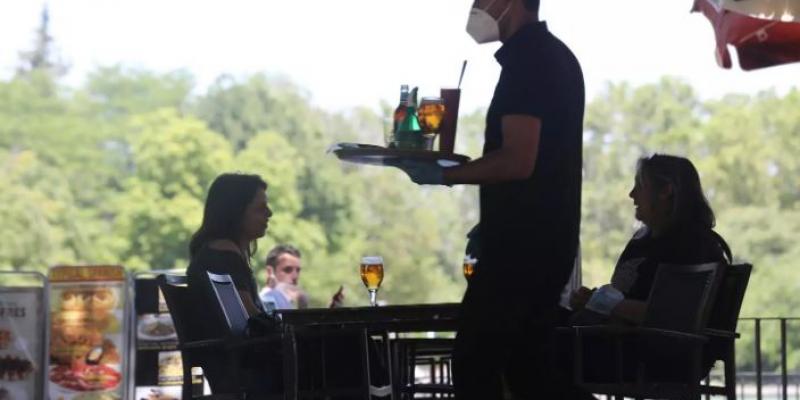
x=236 y=214
x=678 y=224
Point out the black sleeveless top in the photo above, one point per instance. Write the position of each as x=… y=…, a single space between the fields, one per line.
x=221 y=262
x=637 y=266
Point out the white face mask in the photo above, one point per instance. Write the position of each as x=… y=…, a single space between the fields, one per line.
x=482 y=26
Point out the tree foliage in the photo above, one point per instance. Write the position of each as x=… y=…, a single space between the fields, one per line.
x=116 y=171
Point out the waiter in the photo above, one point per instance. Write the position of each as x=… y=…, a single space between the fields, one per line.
x=530 y=191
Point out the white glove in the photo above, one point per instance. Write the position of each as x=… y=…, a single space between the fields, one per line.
x=420 y=172
x=604 y=299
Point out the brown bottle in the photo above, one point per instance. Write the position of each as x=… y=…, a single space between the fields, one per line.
x=400 y=111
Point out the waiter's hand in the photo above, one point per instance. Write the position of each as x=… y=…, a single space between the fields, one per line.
x=421 y=172
x=474 y=242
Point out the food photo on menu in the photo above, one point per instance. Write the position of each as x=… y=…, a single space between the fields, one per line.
x=155 y=327
x=170 y=368
x=15 y=368
x=157 y=393
x=85 y=343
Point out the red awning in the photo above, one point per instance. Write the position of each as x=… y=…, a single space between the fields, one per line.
x=764 y=32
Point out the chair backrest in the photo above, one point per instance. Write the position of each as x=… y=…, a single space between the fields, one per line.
x=176 y=295
x=681 y=296
x=230 y=303
x=730 y=295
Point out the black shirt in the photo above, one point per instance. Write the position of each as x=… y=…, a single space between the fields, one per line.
x=638 y=263
x=219 y=262
x=541 y=78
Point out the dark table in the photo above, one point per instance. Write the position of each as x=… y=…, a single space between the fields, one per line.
x=366 y=321
x=397 y=318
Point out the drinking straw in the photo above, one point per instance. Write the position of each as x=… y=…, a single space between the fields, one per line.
x=463 y=67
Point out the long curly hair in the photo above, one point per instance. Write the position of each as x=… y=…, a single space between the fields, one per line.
x=690 y=207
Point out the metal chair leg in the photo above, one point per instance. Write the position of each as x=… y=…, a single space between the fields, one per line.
x=289 y=364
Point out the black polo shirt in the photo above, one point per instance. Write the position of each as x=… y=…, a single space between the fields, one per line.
x=542 y=78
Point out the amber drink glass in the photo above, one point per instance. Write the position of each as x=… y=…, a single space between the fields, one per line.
x=372 y=276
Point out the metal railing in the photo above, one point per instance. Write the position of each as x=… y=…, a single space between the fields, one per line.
x=767 y=375
x=764 y=375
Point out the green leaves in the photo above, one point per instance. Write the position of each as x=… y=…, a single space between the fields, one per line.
x=117 y=171
x=118 y=92
x=178 y=153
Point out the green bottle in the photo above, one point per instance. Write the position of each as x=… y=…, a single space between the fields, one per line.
x=409 y=132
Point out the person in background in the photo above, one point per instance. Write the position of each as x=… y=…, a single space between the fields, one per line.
x=283 y=266
x=281 y=291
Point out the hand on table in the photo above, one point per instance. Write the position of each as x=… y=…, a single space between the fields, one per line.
x=580 y=297
x=605 y=299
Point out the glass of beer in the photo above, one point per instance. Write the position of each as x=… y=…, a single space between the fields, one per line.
x=469 y=266
x=430 y=113
x=372 y=276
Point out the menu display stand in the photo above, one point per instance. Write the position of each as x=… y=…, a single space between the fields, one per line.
x=156 y=360
x=88 y=332
x=23 y=337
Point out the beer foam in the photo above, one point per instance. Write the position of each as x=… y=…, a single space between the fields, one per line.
x=372 y=260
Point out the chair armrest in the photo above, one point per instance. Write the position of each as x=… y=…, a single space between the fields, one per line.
x=564 y=330
x=718 y=333
x=230 y=344
x=616 y=330
x=604 y=330
x=690 y=337
x=200 y=344
x=238 y=344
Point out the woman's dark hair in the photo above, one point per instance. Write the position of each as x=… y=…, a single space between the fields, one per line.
x=690 y=207
x=227 y=200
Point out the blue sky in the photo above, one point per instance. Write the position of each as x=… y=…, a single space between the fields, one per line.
x=357 y=52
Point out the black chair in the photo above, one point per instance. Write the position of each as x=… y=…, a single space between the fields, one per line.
x=191 y=347
x=433 y=354
x=221 y=357
x=229 y=313
x=233 y=316
x=662 y=358
x=316 y=362
x=721 y=328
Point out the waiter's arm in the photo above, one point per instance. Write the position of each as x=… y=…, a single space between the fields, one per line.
x=515 y=160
